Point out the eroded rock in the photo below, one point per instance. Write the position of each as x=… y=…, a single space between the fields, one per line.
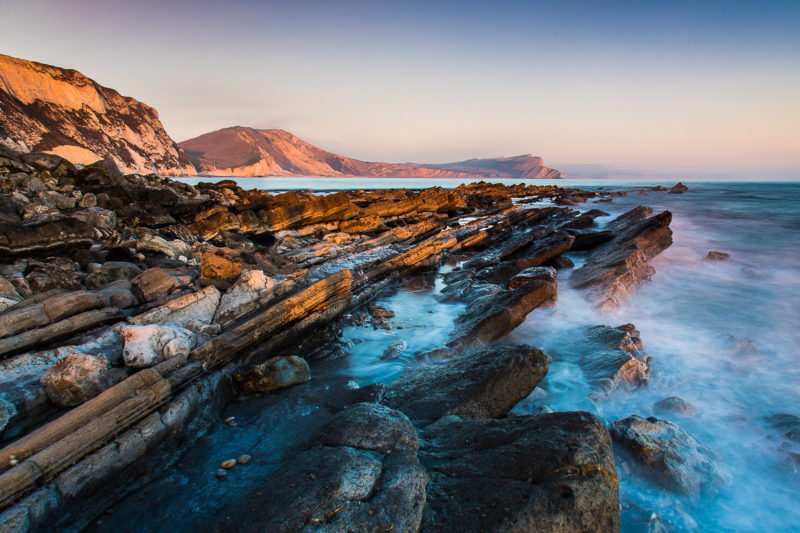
x=149 y=345
x=75 y=379
x=276 y=373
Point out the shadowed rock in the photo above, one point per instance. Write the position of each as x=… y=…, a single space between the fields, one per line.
x=485 y=384
x=546 y=473
x=348 y=484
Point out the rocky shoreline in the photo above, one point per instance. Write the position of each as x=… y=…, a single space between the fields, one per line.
x=134 y=309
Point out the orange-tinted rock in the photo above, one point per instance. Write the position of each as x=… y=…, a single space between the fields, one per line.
x=360 y=225
x=220 y=268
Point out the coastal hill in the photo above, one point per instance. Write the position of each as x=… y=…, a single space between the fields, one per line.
x=241 y=151
x=60 y=111
x=521 y=166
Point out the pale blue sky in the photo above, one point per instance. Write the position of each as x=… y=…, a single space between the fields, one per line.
x=663 y=86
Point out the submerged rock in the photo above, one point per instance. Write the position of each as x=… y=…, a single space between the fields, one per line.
x=545 y=473
x=486 y=384
x=394 y=350
x=276 y=373
x=677 y=406
x=75 y=379
x=717 y=256
x=673 y=457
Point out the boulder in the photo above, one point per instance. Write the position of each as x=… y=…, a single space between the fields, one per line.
x=532 y=274
x=110 y=272
x=220 y=268
x=394 y=350
x=76 y=379
x=585 y=240
x=615 y=269
x=154 y=284
x=678 y=188
x=276 y=373
x=251 y=286
x=337 y=489
x=145 y=346
x=197 y=306
x=546 y=473
x=677 y=406
x=159 y=245
x=669 y=455
x=485 y=384
x=493 y=316
x=370 y=426
x=97 y=217
x=8 y=294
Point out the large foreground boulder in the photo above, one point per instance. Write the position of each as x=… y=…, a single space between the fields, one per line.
x=486 y=384
x=546 y=473
x=670 y=455
x=364 y=477
x=615 y=269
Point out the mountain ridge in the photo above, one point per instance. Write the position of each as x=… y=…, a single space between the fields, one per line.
x=249 y=152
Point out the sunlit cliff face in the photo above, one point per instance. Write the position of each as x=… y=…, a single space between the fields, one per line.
x=65 y=113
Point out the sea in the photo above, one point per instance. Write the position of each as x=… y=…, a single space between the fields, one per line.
x=724 y=336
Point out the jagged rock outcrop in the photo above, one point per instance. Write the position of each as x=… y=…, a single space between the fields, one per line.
x=616 y=268
x=241 y=151
x=61 y=111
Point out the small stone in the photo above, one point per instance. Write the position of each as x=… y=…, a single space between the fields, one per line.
x=230 y=420
x=243 y=459
x=379 y=311
x=230 y=463
x=221 y=474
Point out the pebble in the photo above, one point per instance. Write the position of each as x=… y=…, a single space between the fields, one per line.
x=221 y=474
x=230 y=463
x=243 y=459
x=231 y=420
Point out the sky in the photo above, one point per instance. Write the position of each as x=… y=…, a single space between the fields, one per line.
x=695 y=87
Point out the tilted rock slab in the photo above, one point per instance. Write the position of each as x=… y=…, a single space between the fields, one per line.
x=615 y=269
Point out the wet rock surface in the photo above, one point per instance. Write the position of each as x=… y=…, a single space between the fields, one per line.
x=485 y=384
x=670 y=455
x=552 y=472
